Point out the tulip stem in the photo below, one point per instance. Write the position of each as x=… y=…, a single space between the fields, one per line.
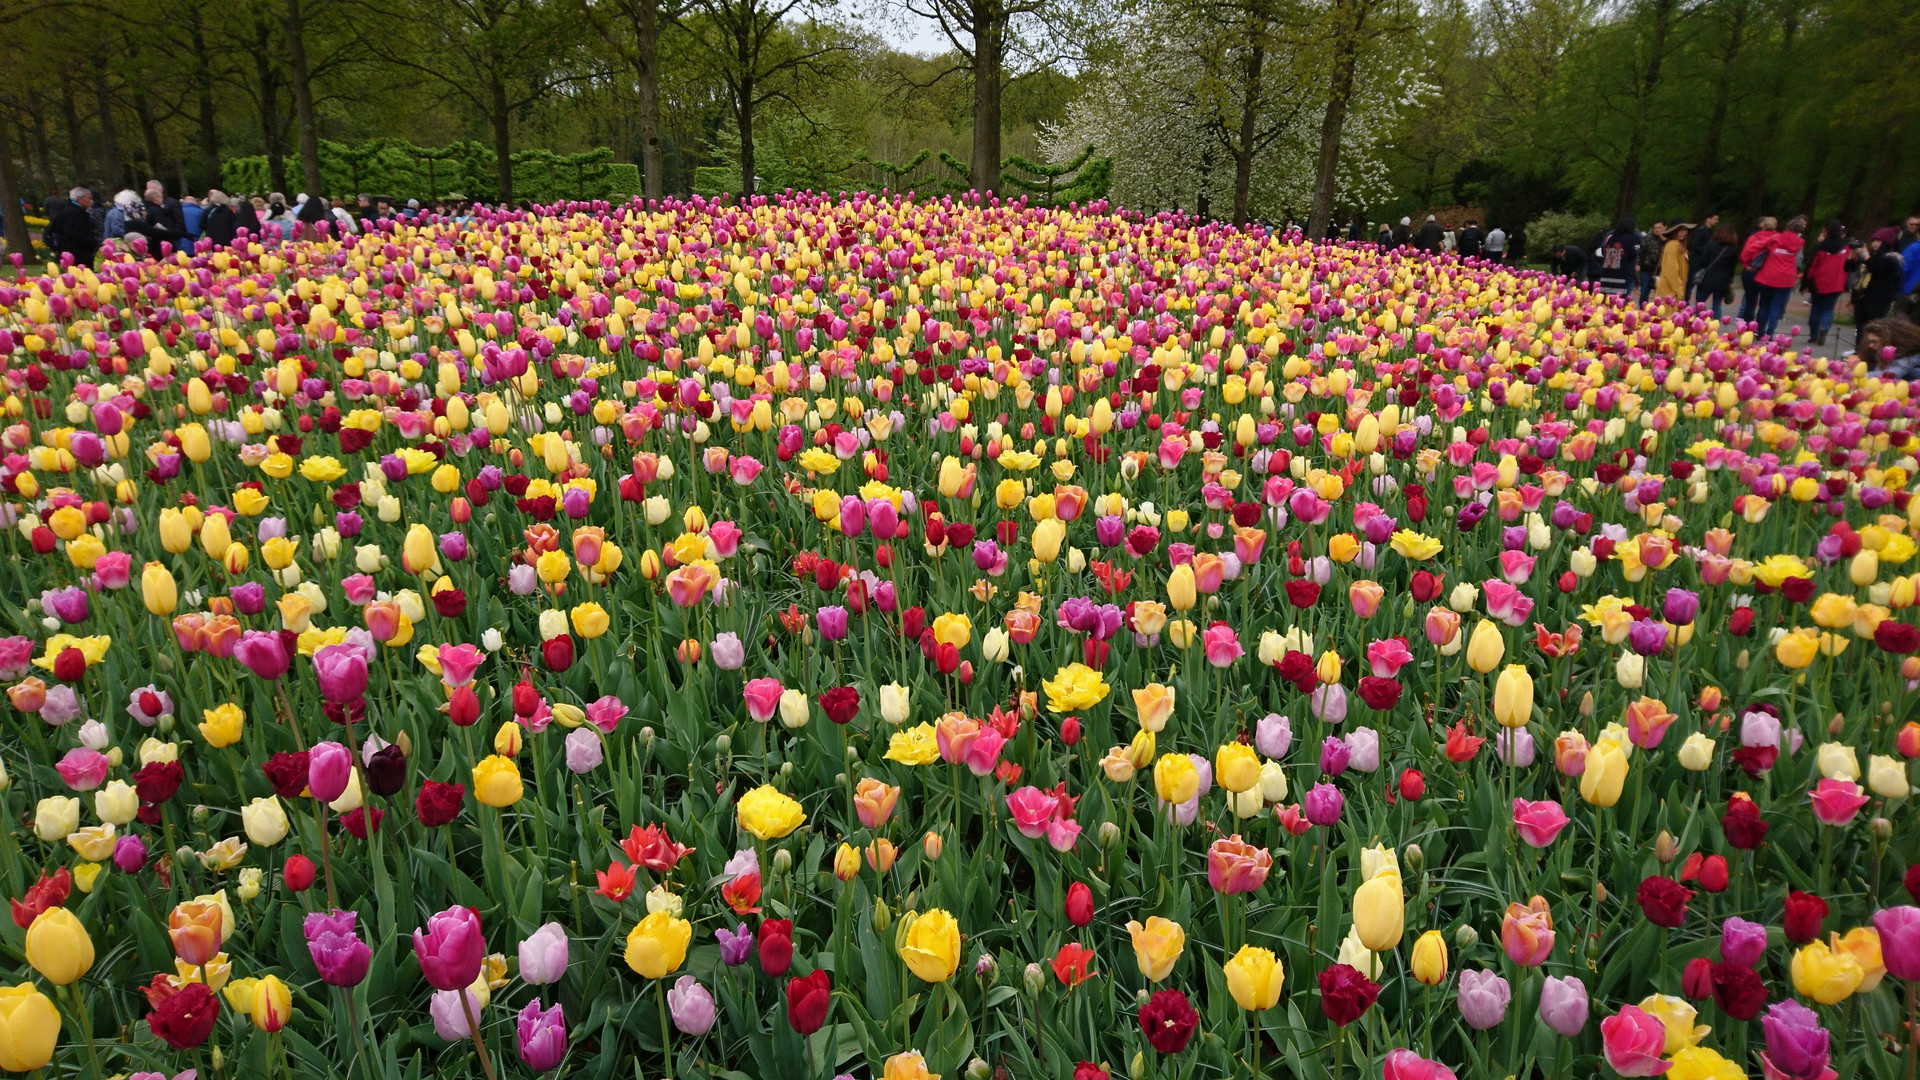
x=666 y=1043
x=1913 y=1028
x=78 y=1008
x=473 y=1029
x=359 y=1036
x=326 y=852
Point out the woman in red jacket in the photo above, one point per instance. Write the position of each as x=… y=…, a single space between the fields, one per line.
x=1774 y=260
x=1826 y=279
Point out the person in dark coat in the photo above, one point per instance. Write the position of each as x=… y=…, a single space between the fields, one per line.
x=163 y=212
x=1619 y=258
x=70 y=230
x=246 y=218
x=1719 y=258
x=1570 y=261
x=1429 y=236
x=1697 y=254
x=311 y=214
x=1884 y=270
x=1403 y=233
x=1471 y=243
x=219 y=224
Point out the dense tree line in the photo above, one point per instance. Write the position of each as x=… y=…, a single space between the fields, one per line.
x=1319 y=111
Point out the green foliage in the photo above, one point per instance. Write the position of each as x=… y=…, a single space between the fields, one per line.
x=1560 y=227
x=402 y=170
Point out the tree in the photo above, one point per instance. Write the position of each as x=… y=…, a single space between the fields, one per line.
x=645 y=19
x=757 y=58
x=982 y=33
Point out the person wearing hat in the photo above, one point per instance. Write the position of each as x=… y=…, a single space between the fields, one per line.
x=1673 y=263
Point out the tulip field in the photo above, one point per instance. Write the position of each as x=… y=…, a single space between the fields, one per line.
x=879 y=638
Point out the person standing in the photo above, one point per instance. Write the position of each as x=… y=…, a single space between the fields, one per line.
x=1385 y=237
x=1430 y=236
x=1497 y=244
x=1751 y=256
x=1884 y=274
x=1652 y=248
x=219 y=225
x=1825 y=279
x=70 y=230
x=164 y=213
x=1720 y=257
x=190 y=214
x=1776 y=268
x=1909 y=232
x=1619 y=256
x=1470 y=243
x=1697 y=252
x=1674 y=257
x=1403 y=233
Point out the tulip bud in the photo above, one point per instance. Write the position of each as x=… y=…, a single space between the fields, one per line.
x=1415 y=859
x=1665 y=847
x=932 y=846
x=978 y=1069
x=1466 y=937
x=1036 y=979
x=1138 y=1068
x=1109 y=834
x=1881 y=828
x=882 y=918
x=783 y=861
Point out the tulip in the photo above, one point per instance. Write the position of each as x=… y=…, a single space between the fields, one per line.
x=58 y=947
x=1483 y=998
x=1513 y=697
x=691 y=1006
x=1605 y=774
x=1255 y=978
x=1899 y=929
x=542 y=1035
x=1234 y=866
x=543 y=955
x=450 y=948
x=1429 y=961
x=1797 y=1046
x=497 y=783
x=1527 y=932
x=29 y=1028
x=1486 y=647
x=157 y=589
x=1563 y=1005
x=1157 y=945
x=930 y=947
x=1633 y=1041
x=1379 y=911
x=768 y=814
x=657 y=945
x=1824 y=975
x=338 y=953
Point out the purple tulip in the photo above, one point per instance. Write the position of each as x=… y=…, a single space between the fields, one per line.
x=1273 y=736
x=1681 y=606
x=522 y=580
x=543 y=955
x=450 y=1016
x=249 y=598
x=329 y=767
x=543 y=1036
x=62 y=706
x=393 y=468
x=692 y=1006
x=130 y=854
x=271 y=528
x=1796 y=1043
x=69 y=605
x=451 y=948
x=1334 y=755
x=1109 y=530
x=735 y=945
x=832 y=621
x=1646 y=637
x=263 y=653
x=1742 y=942
x=1563 y=1005
x=338 y=953
x=575 y=502
x=727 y=651
x=348 y=524
x=453 y=545
x=1514 y=747
x=1483 y=998
x=1329 y=703
x=1322 y=804
x=341 y=670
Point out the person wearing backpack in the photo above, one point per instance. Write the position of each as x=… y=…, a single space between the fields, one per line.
x=1773 y=257
x=1652 y=251
x=1619 y=259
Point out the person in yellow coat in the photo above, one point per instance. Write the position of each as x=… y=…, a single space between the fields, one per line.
x=1673 y=263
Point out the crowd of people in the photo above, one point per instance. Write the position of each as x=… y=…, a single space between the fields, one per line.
x=81 y=221
x=1701 y=262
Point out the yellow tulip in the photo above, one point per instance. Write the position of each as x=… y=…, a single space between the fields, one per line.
x=496 y=781
x=58 y=946
x=29 y=1028
x=931 y=946
x=1154 y=705
x=1824 y=975
x=1175 y=779
x=1048 y=536
x=158 y=590
x=1605 y=775
x=1379 y=912
x=272 y=1004
x=769 y=814
x=1255 y=978
x=1182 y=590
x=222 y=725
x=1513 y=697
x=590 y=620
x=1157 y=946
x=1485 y=647
x=657 y=945
x=1430 y=958
x=1237 y=767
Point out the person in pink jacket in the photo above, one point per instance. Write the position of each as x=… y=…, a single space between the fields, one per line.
x=1773 y=258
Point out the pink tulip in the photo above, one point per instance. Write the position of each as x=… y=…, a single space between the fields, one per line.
x=1222 y=645
x=1836 y=802
x=1407 y=1065
x=763 y=698
x=983 y=754
x=329 y=765
x=1235 y=866
x=1031 y=808
x=458 y=663
x=341 y=670
x=84 y=769
x=1388 y=657
x=1538 y=822
x=1899 y=929
x=263 y=653
x=1633 y=1041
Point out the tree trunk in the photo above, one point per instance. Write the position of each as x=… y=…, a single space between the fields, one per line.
x=1857 y=222
x=1249 y=125
x=44 y=173
x=1882 y=179
x=1350 y=18
x=989 y=61
x=76 y=135
x=272 y=136
x=113 y=168
x=1717 y=121
x=743 y=115
x=646 y=62
x=203 y=90
x=1816 y=165
x=1629 y=193
x=1763 y=149
x=502 y=118
x=13 y=217
x=303 y=99
x=149 y=135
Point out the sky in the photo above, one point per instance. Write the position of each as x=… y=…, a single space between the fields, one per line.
x=902 y=30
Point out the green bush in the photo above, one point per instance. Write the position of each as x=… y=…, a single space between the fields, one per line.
x=404 y=171
x=1557 y=227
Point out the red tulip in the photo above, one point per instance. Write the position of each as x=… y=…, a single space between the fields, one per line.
x=807 y=1000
